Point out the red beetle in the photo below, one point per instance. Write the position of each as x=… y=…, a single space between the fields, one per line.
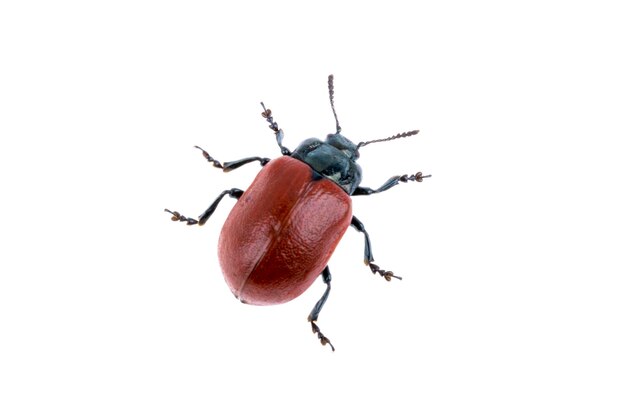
x=283 y=230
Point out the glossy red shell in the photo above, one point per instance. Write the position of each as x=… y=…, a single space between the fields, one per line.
x=281 y=232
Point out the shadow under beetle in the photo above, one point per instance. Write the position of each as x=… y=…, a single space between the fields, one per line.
x=283 y=229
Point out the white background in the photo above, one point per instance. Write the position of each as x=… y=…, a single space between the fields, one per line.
x=512 y=254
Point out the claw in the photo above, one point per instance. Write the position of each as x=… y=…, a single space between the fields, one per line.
x=385 y=274
x=323 y=339
x=177 y=217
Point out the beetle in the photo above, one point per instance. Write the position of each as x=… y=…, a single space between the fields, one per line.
x=283 y=229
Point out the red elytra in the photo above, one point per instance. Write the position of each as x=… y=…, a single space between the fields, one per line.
x=275 y=244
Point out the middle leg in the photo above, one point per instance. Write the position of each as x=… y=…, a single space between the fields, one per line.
x=177 y=217
x=369 y=257
x=230 y=166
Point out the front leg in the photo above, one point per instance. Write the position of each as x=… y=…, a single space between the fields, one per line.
x=369 y=257
x=267 y=115
x=391 y=182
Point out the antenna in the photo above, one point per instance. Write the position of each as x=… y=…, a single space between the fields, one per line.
x=331 y=94
x=394 y=137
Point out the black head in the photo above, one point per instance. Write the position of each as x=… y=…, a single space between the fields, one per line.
x=335 y=158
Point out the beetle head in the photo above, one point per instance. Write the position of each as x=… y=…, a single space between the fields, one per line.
x=344 y=144
x=335 y=158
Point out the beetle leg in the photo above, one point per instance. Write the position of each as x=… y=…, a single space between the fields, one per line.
x=267 y=115
x=369 y=257
x=176 y=216
x=318 y=307
x=229 y=166
x=391 y=182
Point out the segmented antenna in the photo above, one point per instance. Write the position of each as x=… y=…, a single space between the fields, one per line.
x=394 y=137
x=331 y=93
